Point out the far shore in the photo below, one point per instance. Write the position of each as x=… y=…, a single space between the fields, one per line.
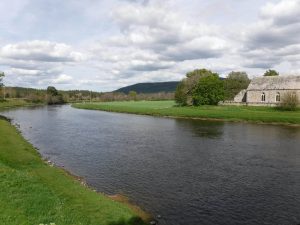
x=248 y=114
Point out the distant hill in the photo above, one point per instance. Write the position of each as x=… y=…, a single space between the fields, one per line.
x=150 y=87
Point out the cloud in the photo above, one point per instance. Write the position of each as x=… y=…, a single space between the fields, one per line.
x=41 y=51
x=62 y=79
x=275 y=37
x=153 y=38
x=40 y=62
x=110 y=43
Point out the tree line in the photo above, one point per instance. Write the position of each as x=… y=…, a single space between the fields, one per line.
x=53 y=96
x=204 y=87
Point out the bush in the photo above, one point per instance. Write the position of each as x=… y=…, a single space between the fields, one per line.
x=289 y=101
x=180 y=94
x=209 y=91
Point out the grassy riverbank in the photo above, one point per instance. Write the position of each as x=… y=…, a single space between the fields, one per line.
x=33 y=192
x=226 y=113
x=15 y=102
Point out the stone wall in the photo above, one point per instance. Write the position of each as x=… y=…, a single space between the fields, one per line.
x=241 y=96
x=270 y=96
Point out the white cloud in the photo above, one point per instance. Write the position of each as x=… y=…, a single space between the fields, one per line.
x=118 y=42
x=62 y=79
x=274 y=39
x=43 y=51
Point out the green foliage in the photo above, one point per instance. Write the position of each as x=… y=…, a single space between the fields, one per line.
x=200 y=73
x=180 y=94
x=234 y=83
x=132 y=95
x=270 y=73
x=289 y=101
x=200 y=87
x=209 y=91
x=52 y=91
x=53 y=97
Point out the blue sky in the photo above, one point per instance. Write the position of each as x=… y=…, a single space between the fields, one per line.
x=102 y=45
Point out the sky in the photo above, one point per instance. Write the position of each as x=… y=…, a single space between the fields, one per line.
x=103 y=45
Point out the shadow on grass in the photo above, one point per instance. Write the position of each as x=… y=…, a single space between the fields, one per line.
x=132 y=221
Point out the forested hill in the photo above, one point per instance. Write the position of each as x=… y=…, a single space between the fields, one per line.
x=150 y=87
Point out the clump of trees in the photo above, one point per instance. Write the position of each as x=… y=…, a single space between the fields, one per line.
x=53 y=97
x=234 y=83
x=204 y=87
x=200 y=87
x=270 y=73
x=289 y=101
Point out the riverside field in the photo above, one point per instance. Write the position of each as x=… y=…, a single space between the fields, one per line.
x=32 y=192
x=226 y=113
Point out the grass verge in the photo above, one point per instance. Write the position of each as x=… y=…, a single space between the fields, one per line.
x=15 y=102
x=32 y=192
x=226 y=113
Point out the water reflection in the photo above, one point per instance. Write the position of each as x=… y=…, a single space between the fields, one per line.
x=202 y=128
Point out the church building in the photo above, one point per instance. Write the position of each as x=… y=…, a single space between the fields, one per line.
x=268 y=91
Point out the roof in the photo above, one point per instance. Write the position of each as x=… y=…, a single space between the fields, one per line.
x=275 y=83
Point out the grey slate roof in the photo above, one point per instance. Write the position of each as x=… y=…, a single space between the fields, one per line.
x=275 y=83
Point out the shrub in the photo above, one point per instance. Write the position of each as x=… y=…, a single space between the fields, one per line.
x=209 y=91
x=289 y=101
x=180 y=94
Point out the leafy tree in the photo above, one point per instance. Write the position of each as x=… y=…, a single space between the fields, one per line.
x=52 y=91
x=270 y=73
x=53 y=97
x=209 y=91
x=185 y=92
x=181 y=94
x=234 y=83
x=132 y=95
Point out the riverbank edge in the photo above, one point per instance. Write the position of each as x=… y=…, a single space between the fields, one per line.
x=234 y=120
x=122 y=199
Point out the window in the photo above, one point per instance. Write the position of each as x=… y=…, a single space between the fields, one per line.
x=278 y=97
x=263 y=97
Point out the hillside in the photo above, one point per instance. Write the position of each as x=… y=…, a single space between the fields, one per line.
x=150 y=87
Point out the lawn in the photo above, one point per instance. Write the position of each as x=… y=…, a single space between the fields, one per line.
x=33 y=192
x=226 y=113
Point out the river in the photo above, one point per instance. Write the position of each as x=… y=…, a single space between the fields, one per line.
x=190 y=172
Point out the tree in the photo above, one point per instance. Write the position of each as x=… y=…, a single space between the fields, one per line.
x=1 y=83
x=132 y=95
x=234 y=83
x=185 y=92
x=209 y=91
x=270 y=73
x=53 y=97
x=52 y=91
x=181 y=93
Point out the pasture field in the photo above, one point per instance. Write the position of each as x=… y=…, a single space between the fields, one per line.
x=226 y=113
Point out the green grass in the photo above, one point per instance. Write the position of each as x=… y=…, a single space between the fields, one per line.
x=12 y=103
x=227 y=113
x=32 y=192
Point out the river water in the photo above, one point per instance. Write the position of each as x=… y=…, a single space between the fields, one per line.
x=190 y=172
